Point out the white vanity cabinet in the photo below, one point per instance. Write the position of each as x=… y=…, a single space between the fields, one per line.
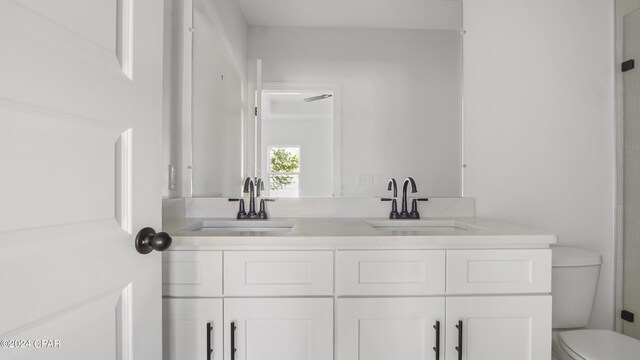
x=374 y=303
x=280 y=304
x=511 y=320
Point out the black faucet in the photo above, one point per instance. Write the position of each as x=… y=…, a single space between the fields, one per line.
x=404 y=213
x=262 y=213
x=252 y=186
x=259 y=186
x=393 y=186
x=249 y=188
x=414 y=189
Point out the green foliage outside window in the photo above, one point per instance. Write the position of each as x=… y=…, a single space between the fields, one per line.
x=283 y=161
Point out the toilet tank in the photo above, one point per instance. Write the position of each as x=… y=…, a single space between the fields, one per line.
x=574 y=282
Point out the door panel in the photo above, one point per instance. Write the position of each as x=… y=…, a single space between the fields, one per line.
x=80 y=130
x=500 y=328
x=42 y=152
x=279 y=329
x=99 y=310
x=389 y=328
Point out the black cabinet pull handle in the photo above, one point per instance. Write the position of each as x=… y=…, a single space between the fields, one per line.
x=209 y=333
x=233 y=340
x=459 y=347
x=437 y=347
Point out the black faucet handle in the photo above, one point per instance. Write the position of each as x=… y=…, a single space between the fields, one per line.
x=262 y=213
x=394 y=208
x=414 y=214
x=241 y=210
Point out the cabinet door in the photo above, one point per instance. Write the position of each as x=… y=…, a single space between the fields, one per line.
x=278 y=329
x=390 y=328
x=192 y=329
x=499 y=328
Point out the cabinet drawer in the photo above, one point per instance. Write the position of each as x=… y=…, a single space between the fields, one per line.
x=391 y=272
x=259 y=273
x=192 y=273
x=498 y=271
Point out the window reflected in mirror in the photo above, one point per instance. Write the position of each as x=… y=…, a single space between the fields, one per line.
x=284 y=171
x=297 y=142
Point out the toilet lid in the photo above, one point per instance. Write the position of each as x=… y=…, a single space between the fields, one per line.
x=601 y=344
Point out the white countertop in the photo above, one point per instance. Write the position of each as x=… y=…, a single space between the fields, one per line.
x=357 y=233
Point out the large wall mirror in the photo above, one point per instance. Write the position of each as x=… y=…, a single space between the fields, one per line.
x=325 y=99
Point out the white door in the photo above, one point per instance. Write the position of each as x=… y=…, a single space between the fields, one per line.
x=80 y=141
x=390 y=328
x=499 y=328
x=192 y=329
x=278 y=329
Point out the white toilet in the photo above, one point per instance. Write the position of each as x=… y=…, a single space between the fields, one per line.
x=574 y=282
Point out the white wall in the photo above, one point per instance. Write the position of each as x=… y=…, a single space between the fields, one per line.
x=234 y=29
x=539 y=121
x=401 y=98
x=219 y=81
x=220 y=24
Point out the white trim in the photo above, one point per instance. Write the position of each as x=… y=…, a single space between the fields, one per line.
x=187 y=101
x=258 y=120
x=126 y=322
x=463 y=158
x=124 y=37
x=336 y=125
x=124 y=171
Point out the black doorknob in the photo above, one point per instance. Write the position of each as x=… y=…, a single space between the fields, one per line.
x=148 y=240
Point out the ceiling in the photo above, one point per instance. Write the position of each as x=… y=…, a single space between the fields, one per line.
x=387 y=14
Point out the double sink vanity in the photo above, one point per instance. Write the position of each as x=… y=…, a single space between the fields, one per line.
x=313 y=283
x=323 y=115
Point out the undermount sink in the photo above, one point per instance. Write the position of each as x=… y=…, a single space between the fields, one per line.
x=242 y=226
x=420 y=225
